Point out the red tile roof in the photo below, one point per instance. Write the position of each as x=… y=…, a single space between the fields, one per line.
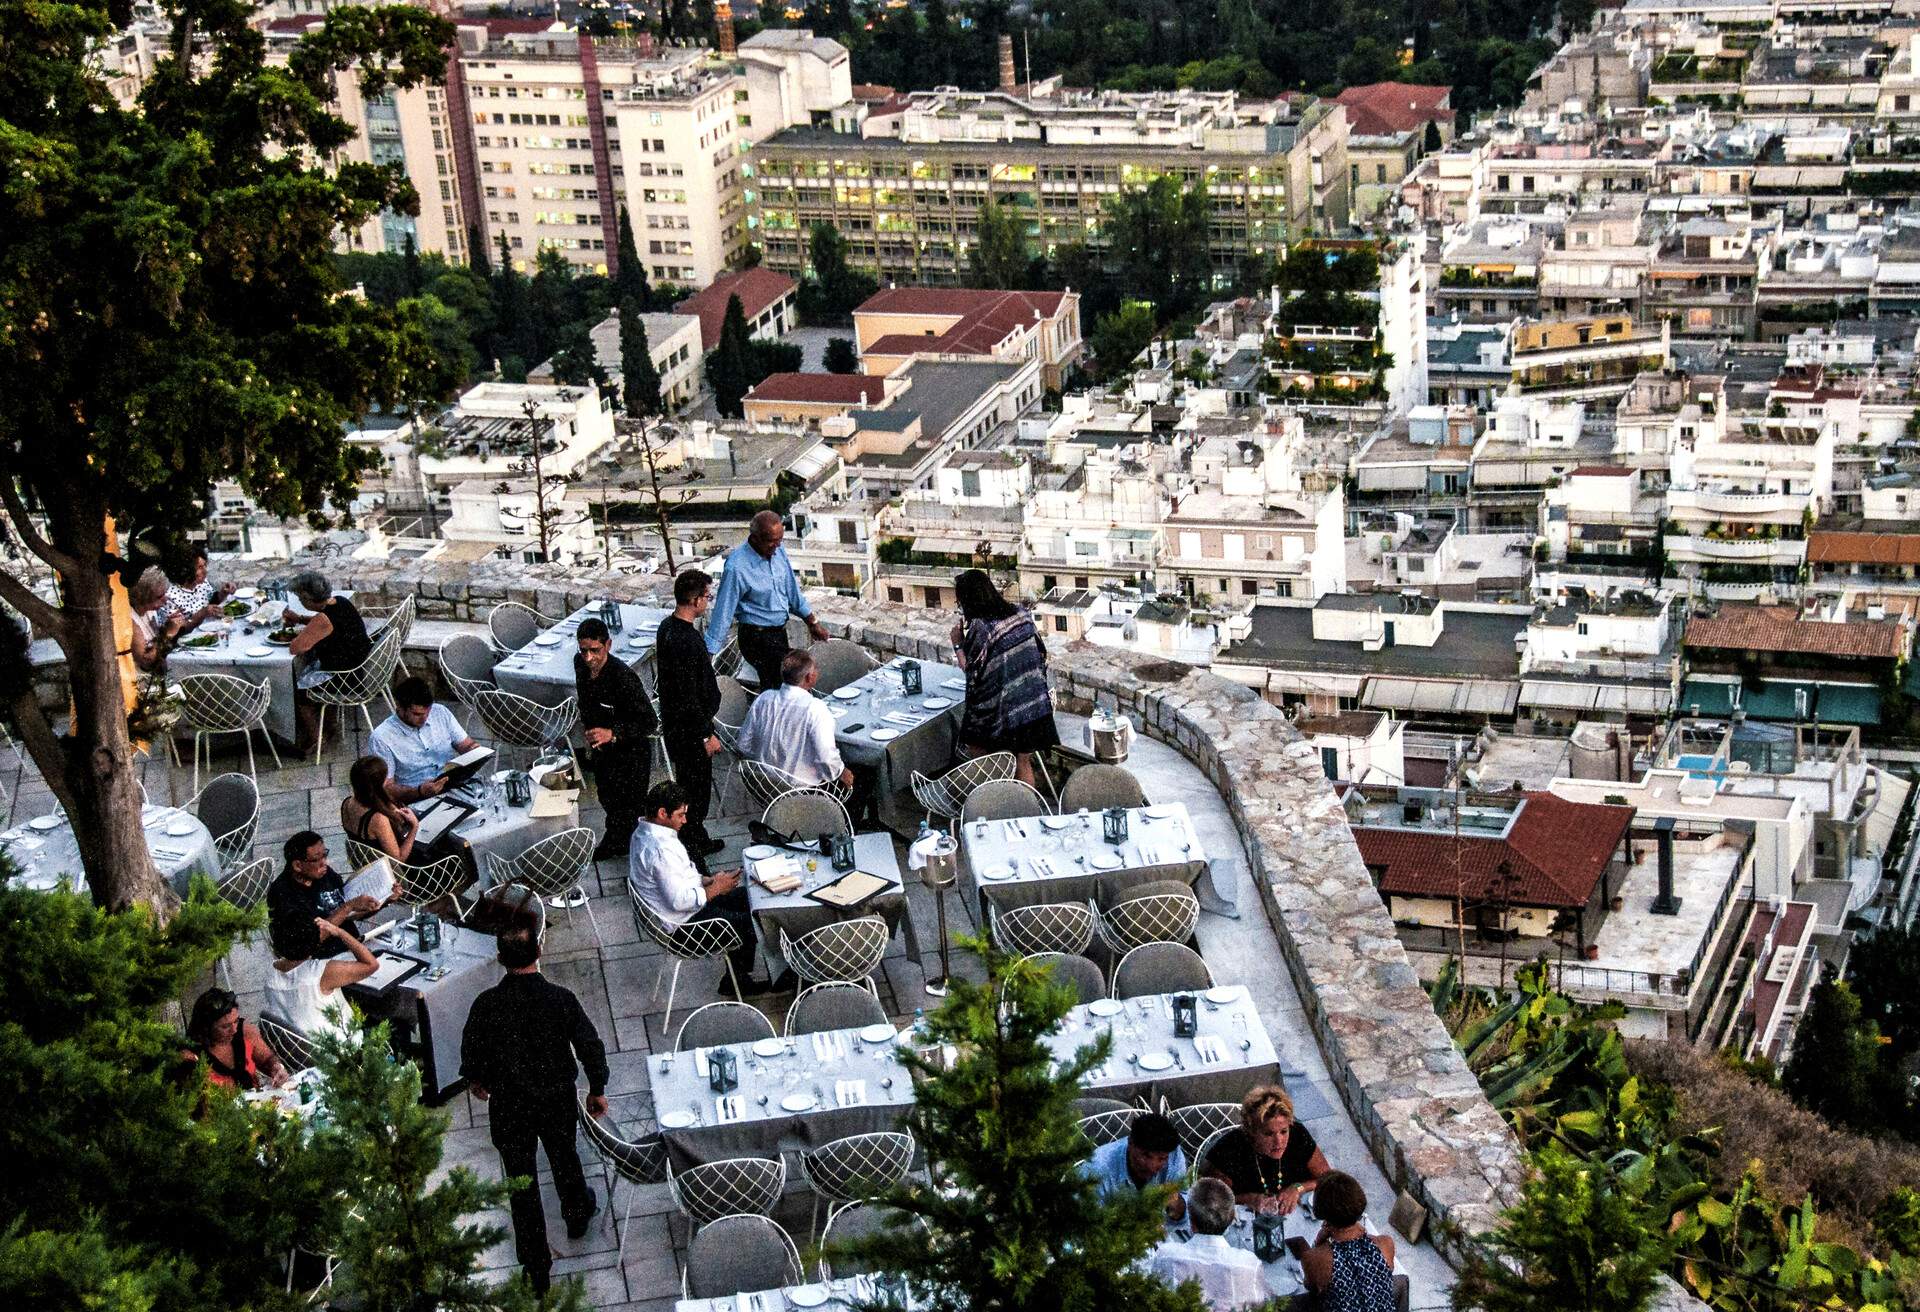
x=1556 y=850
x=1386 y=109
x=828 y=389
x=1782 y=629
x=982 y=320
x=1832 y=547
x=1602 y=471
x=757 y=289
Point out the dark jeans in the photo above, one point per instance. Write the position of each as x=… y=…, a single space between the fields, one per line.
x=764 y=649
x=622 y=782
x=693 y=771
x=519 y=1123
x=734 y=907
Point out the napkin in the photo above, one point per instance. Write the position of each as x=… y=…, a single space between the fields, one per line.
x=729 y=1107
x=920 y=850
x=1043 y=864
x=901 y=717
x=1209 y=1049
x=828 y=1047
x=850 y=1093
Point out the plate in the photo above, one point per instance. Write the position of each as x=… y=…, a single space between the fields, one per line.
x=179 y=827
x=1056 y=821
x=878 y=1034
x=1230 y=993
x=997 y=872
x=808 y=1295
x=259 y=651
x=677 y=1120
x=884 y=735
x=1104 y=861
x=45 y=822
x=1162 y=812
x=937 y=703
x=768 y=1048
x=760 y=852
x=1104 y=1007
x=797 y=1102
x=547 y=640
x=1155 y=1061
x=246 y=594
x=848 y=694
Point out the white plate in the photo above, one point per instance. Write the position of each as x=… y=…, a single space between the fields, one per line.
x=937 y=703
x=878 y=1034
x=997 y=872
x=848 y=694
x=547 y=640
x=884 y=735
x=179 y=827
x=259 y=651
x=797 y=1102
x=1155 y=1061
x=1104 y=1007
x=1056 y=821
x=1104 y=861
x=808 y=1295
x=1162 y=812
x=768 y=1048
x=677 y=1120
x=760 y=852
x=245 y=594
x=45 y=822
x=1228 y=993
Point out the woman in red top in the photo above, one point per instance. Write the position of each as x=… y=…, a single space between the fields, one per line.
x=236 y=1056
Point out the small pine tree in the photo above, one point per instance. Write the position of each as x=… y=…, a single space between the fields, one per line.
x=728 y=364
x=576 y=363
x=841 y=358
x=1838 y=1067
x=410 y=263
x=631 y=282
x=477 y=251
x=638 y=378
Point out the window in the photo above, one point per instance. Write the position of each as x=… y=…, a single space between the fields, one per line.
x=969 y=482
x=896 y=594
x=1059 y=623
x=1080 y=582
x=1249 y=588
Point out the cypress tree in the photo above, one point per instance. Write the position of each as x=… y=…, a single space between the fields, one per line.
x=632 y=279
x=730 y=361
x=639 y=381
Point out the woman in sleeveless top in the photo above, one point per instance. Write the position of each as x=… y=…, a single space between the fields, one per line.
x=1349 y=1269
x=370 y=816
x=304 y=990
x=235 y=1055
x=332 y=639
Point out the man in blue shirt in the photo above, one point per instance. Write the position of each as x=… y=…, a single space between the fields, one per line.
x=416 y=742
x=1149 y=1155
x=758 y=589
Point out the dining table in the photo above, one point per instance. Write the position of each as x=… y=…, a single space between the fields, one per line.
x=499 y=827
x=1229 y=1053
x=1283 y=1276
x=542 y=671
x=238 y=646
x=1029 y=860
x=878 y=724
x=433 y=1002
x=46 y=853
x=794 y=1094
x=834 y=1295
x=797 y=913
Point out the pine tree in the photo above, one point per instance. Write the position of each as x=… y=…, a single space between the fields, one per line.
x=730 y=362
x=575 y=362
x=410 y=262
x=477 y=251
x=1839 y=1067
x=639 y=380
x=631 y=282
x=841 y=357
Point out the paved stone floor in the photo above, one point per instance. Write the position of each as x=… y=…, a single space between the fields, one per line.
x=616 y=978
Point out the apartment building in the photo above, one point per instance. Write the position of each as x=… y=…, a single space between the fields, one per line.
x=1703 y=279
x=1387 y=126
x=905 y=188
x=1586 y=359
x=952 y=323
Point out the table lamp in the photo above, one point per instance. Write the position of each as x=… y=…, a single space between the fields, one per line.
x=942 y=868
x=842 y=853
x=910 y=677
x=723 y=1070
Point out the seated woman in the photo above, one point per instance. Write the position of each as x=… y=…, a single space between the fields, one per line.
x=151 y=632
x=1347 y=1269
x=333 y=638
x=197 y=600
x=235 y=1054
x=371 y=816
x=1269 y=1161
x=303 y=989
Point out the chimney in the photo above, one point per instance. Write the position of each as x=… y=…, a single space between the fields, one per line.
x=723 y=27
x=1008 y=78
x=1666 y=904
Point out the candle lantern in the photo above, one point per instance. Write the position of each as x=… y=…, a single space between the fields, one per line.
x=842 y=851
x=1269 y=1238
x=910 y=677
x=723 y=1070
x=610 y=613
x=1185 y=1018
x=519 y=788
x=428 y=929
x=1113 y=824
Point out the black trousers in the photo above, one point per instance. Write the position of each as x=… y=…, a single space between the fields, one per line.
x=693 y=771
x=735 y=908
x=764 y=649
x=621 y=778
x=519 y=1124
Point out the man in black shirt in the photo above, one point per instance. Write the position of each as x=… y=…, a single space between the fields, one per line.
x=689 y=698
x=309 y=887
x=517 y=1054
x=620 y=725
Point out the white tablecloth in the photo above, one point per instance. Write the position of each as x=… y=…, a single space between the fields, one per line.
x=543 y=671
x=513 y=831
x=1058 y=858
x=796 y=913
x=50 y=854
x=229 y=656
x=1142 y=1032
x=437 y=1008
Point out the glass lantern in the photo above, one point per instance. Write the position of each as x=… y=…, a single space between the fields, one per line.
x=723 y=1070
x=1269 y=1238
x=1113 y=824
x=610 y=615
x=1186 y=1020
x=910 y=677
x=519 y=788
x=842 y=854
x=427 y=927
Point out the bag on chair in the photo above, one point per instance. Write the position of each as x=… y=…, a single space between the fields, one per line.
x=506 y=908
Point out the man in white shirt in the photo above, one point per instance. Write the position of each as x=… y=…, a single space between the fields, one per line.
x=416 y=742
x=792 y=730
x=661 y=873
x=1228 y=1277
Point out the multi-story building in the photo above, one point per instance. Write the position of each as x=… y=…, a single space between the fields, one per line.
x=1586 y=359
x=673 y=344
x=488 y=433
x=1704 y=278
x=905 y=189
x=1387 y=125
x=951 y=323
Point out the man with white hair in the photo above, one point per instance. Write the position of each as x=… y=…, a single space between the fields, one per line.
x=758 y=590
x=1228 y=1277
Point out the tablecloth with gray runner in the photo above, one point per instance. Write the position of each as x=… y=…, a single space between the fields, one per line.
x=436 y=1008
x=46 y=856
x=807 y=1065
x=796 y=913
x=926 y=744
x=542 y=671
x=275 y=667
x=1057 y=858
x=1143 y=1029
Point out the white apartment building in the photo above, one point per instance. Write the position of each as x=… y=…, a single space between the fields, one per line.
x=1101 y=524
x=505 y=517
x=1251 y=525
x=485 y=433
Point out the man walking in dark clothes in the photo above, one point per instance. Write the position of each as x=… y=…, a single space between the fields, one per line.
x=518 y=1056
x=620 y=724
x=689 y=698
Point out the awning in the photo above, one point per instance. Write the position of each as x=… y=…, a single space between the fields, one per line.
x=1877 y=832
x=1442 y=696
x=1303 y=684
x=1781 y=700
x=1621 y=699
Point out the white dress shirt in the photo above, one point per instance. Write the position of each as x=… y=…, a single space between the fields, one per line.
x=792 y=730
x=659 y=866
x=1229 y=1277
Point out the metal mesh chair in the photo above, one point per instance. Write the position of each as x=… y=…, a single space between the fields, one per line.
x=768 y=783
x=1045 y=927
x=855 y=1168
x=735 y=702
x=1198 y=1123
x=511 y=626
x=1160 y=968
x=806 y=813
x=1003 y=799
x=1097 y=787
x=1167 y=915
x=727 y=662
x=852 y=1221
x=466 y=663
x=229 y=806
x=839 y=952
x=737 y=1255
x=244 y=888
x=398 y=621
x=223 y=703
x=833 y=1007
x=728 y=1187
x=292 y=1047
x=419 y=886
x=696 y=940
x=553 y=868
x=657 y=740
x=637 y=1161
x=946 y=796
x=840 y=663
x=358 y=687
x=723 y=1022
x=1102 y=1128
x=1083 y=974
x=516 y=721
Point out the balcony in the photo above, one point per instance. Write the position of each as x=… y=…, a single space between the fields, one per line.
x=1733 y=502
x=1696 y=546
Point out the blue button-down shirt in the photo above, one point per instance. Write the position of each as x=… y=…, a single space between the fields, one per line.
x=414 y=756
x=1108 y=1168
x=754 y=590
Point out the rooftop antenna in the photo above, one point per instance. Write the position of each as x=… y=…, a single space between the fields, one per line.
x=1026 y=43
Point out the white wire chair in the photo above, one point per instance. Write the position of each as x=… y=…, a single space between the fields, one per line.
x=1044 y=927
x=1163 y=916
x=946 y=796
x=358 y=688
x=1198 y=1123
x=806 y=813
x=1160 y=968
x=397 y=622
x=735 y=702
x=1102 y=1128
x=739 y=1255
x=840 y=663
x=855 y=1168
x=466 y=663
x=516 y=721
x=419 y=886
x=838 y=952
x=723 y=1022
x=727 y=661
x=229 y=806
x=1083 y=973
x=1003 y=799
x=853 y=1221
x=767 y=783
x=511 y=626
x=225 y=703
x=833 y=1007
x=729 y=1187
x=636 y=1161
x=697 y=940
x=289 y=1044
x=243 y=888
x=553 y=868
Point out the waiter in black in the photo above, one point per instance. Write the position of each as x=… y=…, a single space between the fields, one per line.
x=620 y=725
x=517 y=1055
x=689 y=699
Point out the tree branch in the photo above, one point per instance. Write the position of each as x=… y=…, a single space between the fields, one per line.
x=43 y=617
x=44 y=747
x=23 y=525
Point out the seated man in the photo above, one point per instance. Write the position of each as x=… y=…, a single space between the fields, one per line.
x=792 y=730
x=309 y=889
x=1228 y=1277
x=1149 y=1155
x=664 y=877
x=1269 y=1161
x=416 y=742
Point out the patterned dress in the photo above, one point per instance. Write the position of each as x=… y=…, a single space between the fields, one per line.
x=1009 y=707
x=1362 y=1281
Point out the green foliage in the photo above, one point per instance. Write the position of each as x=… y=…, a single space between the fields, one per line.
x=631 y=283
x=728 y=363
x=841 y=357
x=1016 y=1224
x=575 y=362
x=1839 y=1067
x=1880 y=970
x=1157 y=241
x=999 y=257
x=639 y=380
x=1120 y=336
x=832 y=289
